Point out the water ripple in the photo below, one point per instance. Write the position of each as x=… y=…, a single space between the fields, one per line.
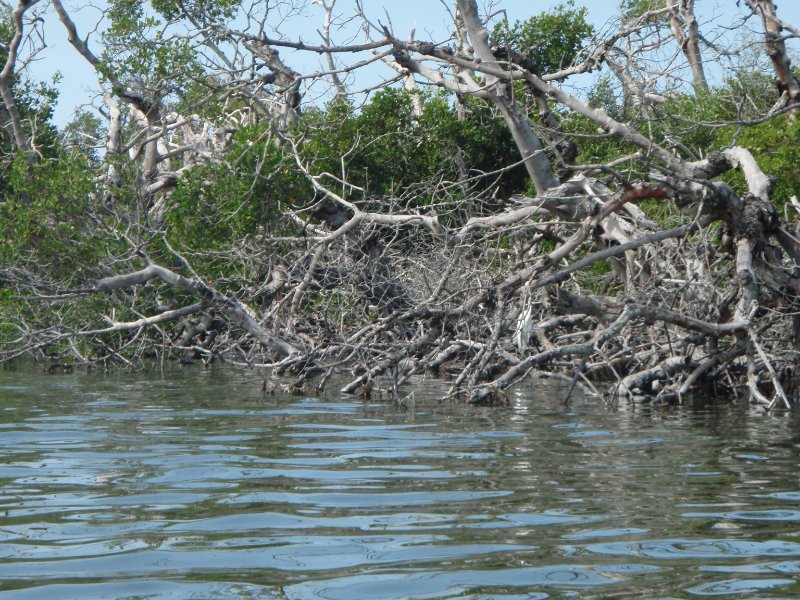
x=702 y=549
x=401 y=586
x=194 y=486
x=737 y=586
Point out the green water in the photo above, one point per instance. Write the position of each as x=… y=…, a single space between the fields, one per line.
x=190 y=485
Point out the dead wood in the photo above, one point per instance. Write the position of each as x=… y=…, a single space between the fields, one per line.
x=574 y=282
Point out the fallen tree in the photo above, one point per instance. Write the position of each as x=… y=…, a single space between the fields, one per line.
x=660 y=268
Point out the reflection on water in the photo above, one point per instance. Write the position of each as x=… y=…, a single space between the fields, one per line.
x=192 y=486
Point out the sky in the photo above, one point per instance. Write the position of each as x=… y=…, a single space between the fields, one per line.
x=428 y=17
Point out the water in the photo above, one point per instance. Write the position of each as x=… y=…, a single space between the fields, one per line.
x=192 y=486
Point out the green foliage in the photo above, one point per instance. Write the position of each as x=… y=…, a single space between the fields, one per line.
x=83 y=134
x=45 y=217
x=633 y=9
x=386 y=149
x=775 y=144
x=551 y=40
x=606 y=95
x=215 y=206
x=125 y=16
x=746 y=95
x=692 y=123
x=204 y=11
x=730 y=115
x=143 y=55
x=696 y=124
x=36 y=102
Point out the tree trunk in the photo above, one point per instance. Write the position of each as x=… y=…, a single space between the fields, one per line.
x=776 y=49
x=7 y=73
x=536 y=162
x=682 y=16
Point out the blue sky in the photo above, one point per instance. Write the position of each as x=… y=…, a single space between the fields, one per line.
x=429 y=17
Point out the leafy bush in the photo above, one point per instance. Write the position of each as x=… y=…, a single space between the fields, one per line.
x=217 y=205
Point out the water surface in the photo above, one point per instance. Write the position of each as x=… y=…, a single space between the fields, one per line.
x=190 y=485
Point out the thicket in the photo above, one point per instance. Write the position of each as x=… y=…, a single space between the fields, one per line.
x=210 y=214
